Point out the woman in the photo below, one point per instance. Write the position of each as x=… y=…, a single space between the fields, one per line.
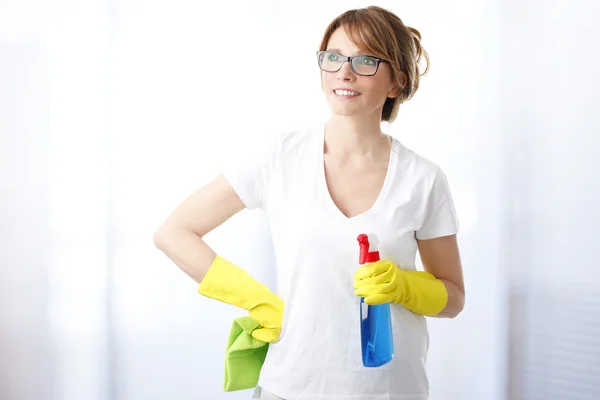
x=320 y=189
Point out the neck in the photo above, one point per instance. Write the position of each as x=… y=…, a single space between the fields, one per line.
x=356 y=137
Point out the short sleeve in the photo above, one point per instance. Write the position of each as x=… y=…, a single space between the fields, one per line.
x=440 y=214
x=251 y=170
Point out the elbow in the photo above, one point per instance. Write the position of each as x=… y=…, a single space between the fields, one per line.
x=458 y=310
x=165 y=234
x=458 y=306
x=169 y=231
x=454 y=306
x=455 y=302
x=160 y=238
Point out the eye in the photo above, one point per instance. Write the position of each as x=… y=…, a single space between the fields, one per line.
x=368 y=61
x=333 y=57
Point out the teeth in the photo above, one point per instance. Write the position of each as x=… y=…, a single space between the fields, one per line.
x=346 y=93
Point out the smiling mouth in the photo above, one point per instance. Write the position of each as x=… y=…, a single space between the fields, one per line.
x=346 y=93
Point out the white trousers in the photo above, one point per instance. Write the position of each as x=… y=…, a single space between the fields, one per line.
x=262 y=394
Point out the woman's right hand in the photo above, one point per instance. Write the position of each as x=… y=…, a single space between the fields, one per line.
x=270 y=316
x=230 y=284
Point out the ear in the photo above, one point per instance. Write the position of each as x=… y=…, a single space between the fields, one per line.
x=396 y=89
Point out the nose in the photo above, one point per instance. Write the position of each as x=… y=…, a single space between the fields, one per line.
x=345 y=73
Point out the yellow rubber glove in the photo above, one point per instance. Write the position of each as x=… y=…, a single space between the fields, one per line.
x=418 y=291
x=232 y=285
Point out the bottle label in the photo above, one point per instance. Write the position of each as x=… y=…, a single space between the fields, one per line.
x=364 y=310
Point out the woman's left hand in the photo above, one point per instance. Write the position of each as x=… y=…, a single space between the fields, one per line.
x=383 y=282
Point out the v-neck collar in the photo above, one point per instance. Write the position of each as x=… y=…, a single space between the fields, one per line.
x=391 y=169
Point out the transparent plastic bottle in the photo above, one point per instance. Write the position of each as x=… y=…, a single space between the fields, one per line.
x=377 y=341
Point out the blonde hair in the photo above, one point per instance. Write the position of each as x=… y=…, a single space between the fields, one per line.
x=381 y=33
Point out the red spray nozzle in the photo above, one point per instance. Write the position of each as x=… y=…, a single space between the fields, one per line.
x=367 y=243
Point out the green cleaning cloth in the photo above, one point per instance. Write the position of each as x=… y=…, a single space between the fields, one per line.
x=244 y=356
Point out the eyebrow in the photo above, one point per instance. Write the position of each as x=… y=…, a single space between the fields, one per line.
x=359 y=53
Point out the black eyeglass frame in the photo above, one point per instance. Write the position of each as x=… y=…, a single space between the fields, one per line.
x=349 y=60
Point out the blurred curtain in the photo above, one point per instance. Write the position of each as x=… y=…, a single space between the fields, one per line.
x=550 y=108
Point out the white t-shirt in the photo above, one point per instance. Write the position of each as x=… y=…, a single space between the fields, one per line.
x=318 y=354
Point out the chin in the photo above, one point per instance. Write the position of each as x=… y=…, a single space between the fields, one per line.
x=341 y=111
x=344 y=114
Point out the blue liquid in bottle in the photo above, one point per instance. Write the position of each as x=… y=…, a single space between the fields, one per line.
x=377 y=341
x=376 y=334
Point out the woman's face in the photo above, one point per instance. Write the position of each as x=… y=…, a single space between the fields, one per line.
x=370 y=91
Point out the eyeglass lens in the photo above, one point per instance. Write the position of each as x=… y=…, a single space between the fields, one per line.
x=362 y=65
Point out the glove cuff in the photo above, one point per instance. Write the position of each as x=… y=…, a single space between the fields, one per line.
x=424 y=294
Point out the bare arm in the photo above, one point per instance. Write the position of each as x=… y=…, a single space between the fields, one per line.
x=441 y=258
x=180 y=236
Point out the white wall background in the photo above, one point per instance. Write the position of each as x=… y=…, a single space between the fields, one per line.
x=111 y=112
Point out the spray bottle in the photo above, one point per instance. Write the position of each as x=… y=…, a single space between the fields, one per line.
x=377 y=341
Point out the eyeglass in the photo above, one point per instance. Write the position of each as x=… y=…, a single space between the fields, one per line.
x=361 y=65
